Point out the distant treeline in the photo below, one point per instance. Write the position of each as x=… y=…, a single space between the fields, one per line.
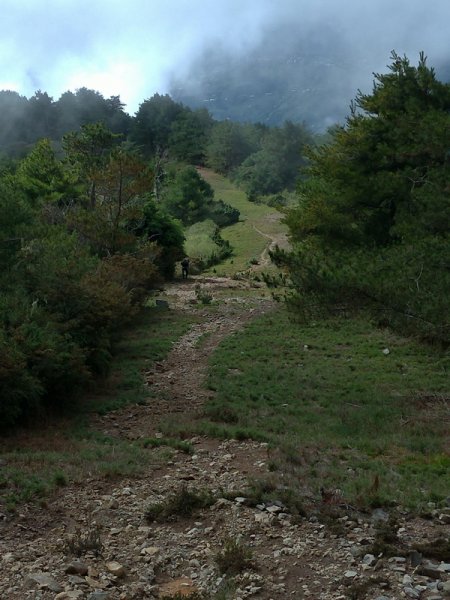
x=262 y=159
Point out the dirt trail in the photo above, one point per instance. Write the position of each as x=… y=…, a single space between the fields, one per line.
x=278 y=239
x=177 y=382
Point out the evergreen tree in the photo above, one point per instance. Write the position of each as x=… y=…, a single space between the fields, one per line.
x=372 y=222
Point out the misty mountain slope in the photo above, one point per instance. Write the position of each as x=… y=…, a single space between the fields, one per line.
x=286 y=76
x=290 y=75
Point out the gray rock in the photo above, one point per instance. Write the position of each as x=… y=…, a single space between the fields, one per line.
x=356 y=551
x=71 y=595
x=98 y=596
x=380 y=516
x=415 y=558
x=369 y=560
x=115 y=568
x=45 y=581
x=350 y=574
x=411 y=592
x=76 y=567
x=446 y=589
x=429 y=569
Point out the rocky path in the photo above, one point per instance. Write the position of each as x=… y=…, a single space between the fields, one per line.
x=125 y=556
x=178 y=381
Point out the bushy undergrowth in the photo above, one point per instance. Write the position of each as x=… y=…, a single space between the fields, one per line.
x=79 y=255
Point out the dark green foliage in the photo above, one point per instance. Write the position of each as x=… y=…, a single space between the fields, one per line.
x=78 y=258
x=230 y=144
x=160 y=227
x=153 y=123
x=223 y=214
x=25 y=121
x=371 y=226
x=276 y=165
x=187 y=196
x=189 y=135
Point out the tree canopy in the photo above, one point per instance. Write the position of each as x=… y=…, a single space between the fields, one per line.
x=372 y=221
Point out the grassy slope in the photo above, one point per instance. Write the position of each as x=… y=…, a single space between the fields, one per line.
x=337 y=410
x=243 y=236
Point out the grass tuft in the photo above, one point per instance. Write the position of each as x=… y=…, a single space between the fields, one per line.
x=182 y=503
x=234 y=558
x=81 y=542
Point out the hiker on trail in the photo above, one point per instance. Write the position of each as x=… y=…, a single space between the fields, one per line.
x=185 y=267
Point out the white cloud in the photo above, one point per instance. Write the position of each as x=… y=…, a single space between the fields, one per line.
x=131 y=48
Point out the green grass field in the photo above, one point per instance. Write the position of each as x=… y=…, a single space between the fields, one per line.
x=337 y=411
x=247 y=242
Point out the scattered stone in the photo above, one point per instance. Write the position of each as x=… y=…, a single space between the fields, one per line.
x=415 y=558
x=379 y=515
x=76 y=567
x=350 y=574
x=115 y=568
x=72 y=595
x=369 y=560
x=181 y=587
x=150 y=551
x=98 y=596
x=430 y=570
x=44 y=581
x=411 y=592
x=93 y=583
x=8 y=557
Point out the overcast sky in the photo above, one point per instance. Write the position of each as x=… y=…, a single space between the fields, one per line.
x=132 y=48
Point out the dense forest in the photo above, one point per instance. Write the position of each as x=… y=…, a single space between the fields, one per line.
x=94 y=206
